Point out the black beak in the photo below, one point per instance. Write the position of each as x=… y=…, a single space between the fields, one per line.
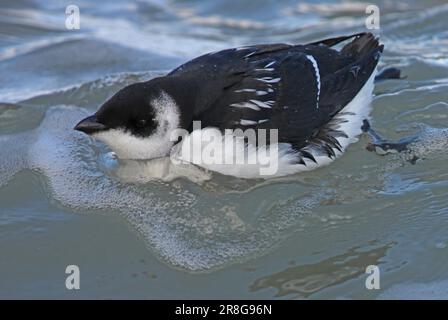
x=90 y=125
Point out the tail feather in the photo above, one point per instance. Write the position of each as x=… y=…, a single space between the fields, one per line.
x=362 y=45
x=330 y=42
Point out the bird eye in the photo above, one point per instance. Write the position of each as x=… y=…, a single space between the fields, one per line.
x=141 y=123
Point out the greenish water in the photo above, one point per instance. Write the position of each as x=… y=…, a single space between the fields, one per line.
x=305 y=236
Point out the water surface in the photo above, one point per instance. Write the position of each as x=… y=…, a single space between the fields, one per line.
x=305 y=236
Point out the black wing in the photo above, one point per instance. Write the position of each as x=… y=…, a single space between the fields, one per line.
x=296 y=89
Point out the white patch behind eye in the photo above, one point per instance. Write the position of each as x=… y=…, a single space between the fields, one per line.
x=158 y=144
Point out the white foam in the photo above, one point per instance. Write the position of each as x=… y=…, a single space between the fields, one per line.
x=12 y=158
x=181 y=227
x=195 y=231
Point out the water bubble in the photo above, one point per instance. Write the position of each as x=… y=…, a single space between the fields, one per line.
x=188 y=228
x=197 y=225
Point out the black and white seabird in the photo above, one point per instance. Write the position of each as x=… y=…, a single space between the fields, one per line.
x=315 y=96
